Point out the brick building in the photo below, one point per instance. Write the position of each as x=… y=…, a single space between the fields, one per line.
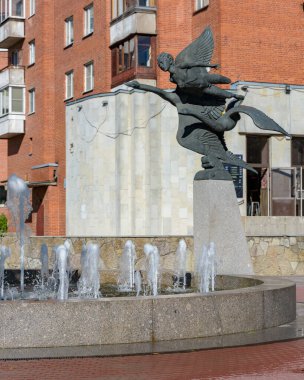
x=60 y=52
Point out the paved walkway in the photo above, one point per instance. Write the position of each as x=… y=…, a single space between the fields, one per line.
x=281 y=360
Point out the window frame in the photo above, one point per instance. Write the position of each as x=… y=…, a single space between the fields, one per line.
x=134 y=71
x=69 y=84
x=8 y=13
x=9 y=101
x=15 y=56
x=88 y=14
x=3 y=192
x=88 y=66
x=119 y=7
x=200 y=4
x=32 y=53
x=294 y=155
x=69 y=31
x=32 y=8
x=32 y=100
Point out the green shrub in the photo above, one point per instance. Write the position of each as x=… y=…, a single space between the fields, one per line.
x=3 y=224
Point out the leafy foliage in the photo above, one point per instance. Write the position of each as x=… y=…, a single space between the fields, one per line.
x=3 y=224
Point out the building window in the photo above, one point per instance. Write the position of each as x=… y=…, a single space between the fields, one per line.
x=15 y=58
x=69 y=31
x=121 y=6
x=11 y=8
x=3 y=195
x=17 y=99
x=136 y=53
x=144 y=51
x=133 y=58
x=200 y=4
x=69 y=84
x=32 y=52
x=125 y=56
x=297 y=151
x=11 y=100
x=4 y=101
x=32 y=100
x=32 y=7
x=88 y=76
x=88 y=20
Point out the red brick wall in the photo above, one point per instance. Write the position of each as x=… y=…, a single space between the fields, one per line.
x=44 y=141
x=3 y=59
x=262 y=40
x=254 y=41
x=3 y=160
x=173 y=31
x=36 y=147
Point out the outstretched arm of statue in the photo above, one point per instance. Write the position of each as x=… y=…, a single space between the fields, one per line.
x=169 y=96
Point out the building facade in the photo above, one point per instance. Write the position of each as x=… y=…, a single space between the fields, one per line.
x=68 y=61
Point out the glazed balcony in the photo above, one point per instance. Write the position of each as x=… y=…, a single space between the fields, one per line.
x=12 y=76
x=12 y=111
x=11 y=22
x=121 y=7
x=132 y=17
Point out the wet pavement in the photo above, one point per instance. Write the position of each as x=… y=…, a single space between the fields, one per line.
x=279 y=360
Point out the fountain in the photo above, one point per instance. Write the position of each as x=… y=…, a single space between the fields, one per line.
x=18 y=202
x=222 y=304
x=205 y=269
x=89 y=316
x=181 y=264
x=152 y=268
x=126 y=278
x=5 y=253
x=89 y=282
x=44 y=258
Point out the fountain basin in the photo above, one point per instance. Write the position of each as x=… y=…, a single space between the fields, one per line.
x=265 y=303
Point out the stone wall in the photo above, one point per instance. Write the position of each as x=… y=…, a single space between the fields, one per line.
x=276 y=255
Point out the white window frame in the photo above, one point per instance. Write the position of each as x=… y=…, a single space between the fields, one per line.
x=6 y=10
x=88 y=14
x=32 y=100
x=89 y=76
x=69 y=84
x=201 y=4
x=9 y=101
x=32 y=52
x=69 y=31
x=32 y=7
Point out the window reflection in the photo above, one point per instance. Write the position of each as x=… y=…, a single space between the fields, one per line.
x=144 y=51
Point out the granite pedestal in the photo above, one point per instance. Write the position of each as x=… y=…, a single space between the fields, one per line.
x=216 y=218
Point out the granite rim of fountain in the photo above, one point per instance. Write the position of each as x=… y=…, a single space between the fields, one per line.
x=122 y=320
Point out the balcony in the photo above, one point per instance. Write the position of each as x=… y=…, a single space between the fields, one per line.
x=12 y=111
x=11 y=126
x=12 y=76
x=11 y=22
x=132 y=17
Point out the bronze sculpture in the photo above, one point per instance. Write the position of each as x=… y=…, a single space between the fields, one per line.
x=201 y=106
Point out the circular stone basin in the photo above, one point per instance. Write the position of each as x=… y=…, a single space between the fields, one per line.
x=246 y=304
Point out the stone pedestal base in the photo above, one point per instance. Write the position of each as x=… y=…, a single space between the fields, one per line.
x=216 y=218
